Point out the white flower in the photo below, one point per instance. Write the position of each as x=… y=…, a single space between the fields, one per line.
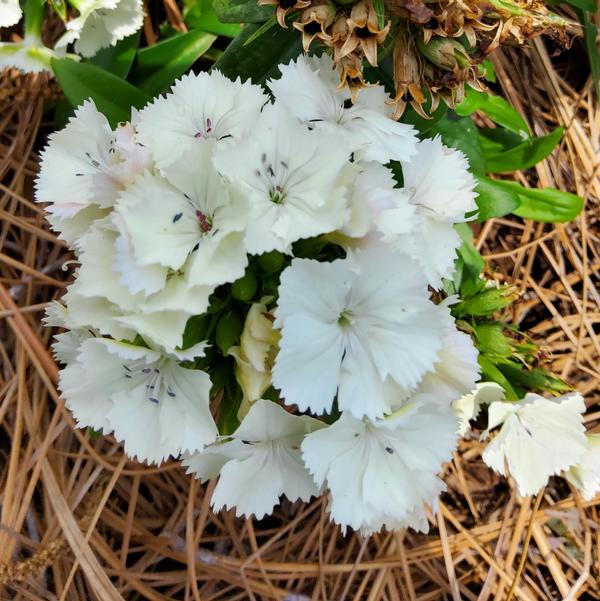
x=83 y=169
x=102 y=23
x=456 y=371
x=362 y=327
x=65 y=348
x=260 y=462
x=160 y=316
x=467 y=407
x=309 y=88
x=10 y=13
x=200 y=107
x=201 y=223
x=29 y=56
x=378 y=210
x=539 y=437
x=441 y=188
x=155 y=406
x=294 y=179
x=381 y=473
x=586 y=474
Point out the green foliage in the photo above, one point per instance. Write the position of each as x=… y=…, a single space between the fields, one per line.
x=229 y=329
x=259 y=59
x=203 y=17
x=548 y=204
x=119 y=58
x=245 y=288
x=241 y=11
x=590 y=35
x=494 y=200
x=158 y=66
x=112 y=95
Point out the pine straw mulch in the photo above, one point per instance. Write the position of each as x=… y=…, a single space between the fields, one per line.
x=80 y=522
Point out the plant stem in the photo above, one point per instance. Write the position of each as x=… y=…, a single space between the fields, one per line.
x=34 y=18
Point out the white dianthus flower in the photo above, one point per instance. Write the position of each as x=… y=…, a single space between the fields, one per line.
x=438 y=183
x=200 y=107
x=151 y=403
x=102 y=23
x=309 y=88
x=29 y=56
x=83 y=169
x=361 y=328
x=294 y=179
x=585 y=475
x=200 y=223
x=381 y=473
x=160 y=316
x=456 y=371
x=10 y=13
x=467 y=407
x=539 y=438
x=259 y=463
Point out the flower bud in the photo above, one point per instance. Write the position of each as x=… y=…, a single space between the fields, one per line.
x=445 y=53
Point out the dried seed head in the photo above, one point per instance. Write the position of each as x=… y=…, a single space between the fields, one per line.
x=315 y=21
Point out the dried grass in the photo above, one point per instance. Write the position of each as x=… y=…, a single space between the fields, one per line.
x=79 y=521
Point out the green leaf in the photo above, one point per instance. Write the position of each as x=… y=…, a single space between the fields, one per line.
x=379 y=7
x=492 y=341
x=485 y=303
x=468 y=265
x=496 y=108
x=228 y=331
x=113 y=96
x=533 y=379
x=494 y=140
x=157 y=67
x=491 y=373
x=548 y=205
x=242 y=11
x=587 y=5
x=202 y=16
x=494 y=200
x=461 y=133
x=259 y=60
x=590 y=35
x=524 y=155
x=119 y=58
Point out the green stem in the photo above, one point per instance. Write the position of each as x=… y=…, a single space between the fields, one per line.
x=34 y=17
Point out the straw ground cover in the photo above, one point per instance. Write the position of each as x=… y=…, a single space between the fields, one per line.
x=80 y=521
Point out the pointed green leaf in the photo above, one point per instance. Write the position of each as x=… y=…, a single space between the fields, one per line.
x=119 y=58
x=241 y=11
x=524 y=155
x=157 y=67
x=258 y=60
x=494 y=200
x=113 y=96
x=202 y=16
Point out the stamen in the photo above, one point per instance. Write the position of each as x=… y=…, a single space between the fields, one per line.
x=177 y=217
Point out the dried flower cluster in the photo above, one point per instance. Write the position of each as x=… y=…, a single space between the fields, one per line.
x=437 y=47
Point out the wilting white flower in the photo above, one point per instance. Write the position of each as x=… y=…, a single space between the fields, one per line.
x=309 y=88
x=441 y=188
x=254 y=355
x=259 y=462
x=200 y=107
x=539 y=437
x=280 y=167
x=467 y=407
x=361 y=327
x=381 y=473
x=155 y=406
x=586 y=474
x=456 y=371
x=202 y=223
x=101 y=23
x=10 y=13
x=161 y=316
x=83 y=169
x=29 y=56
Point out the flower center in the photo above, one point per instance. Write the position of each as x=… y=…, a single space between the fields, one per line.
x=346 y=319
x=208 y=130
x=205 y=222
x=152 y=377
x=275 y=177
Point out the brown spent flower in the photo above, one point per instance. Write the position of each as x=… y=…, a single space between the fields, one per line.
x=284 y=8
x=314 y=22
x=364 y=31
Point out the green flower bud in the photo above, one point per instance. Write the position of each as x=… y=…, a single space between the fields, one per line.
x=244 y=289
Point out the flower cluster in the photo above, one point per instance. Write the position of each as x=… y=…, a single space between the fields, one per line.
x=97 y=24
x=263 y=234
